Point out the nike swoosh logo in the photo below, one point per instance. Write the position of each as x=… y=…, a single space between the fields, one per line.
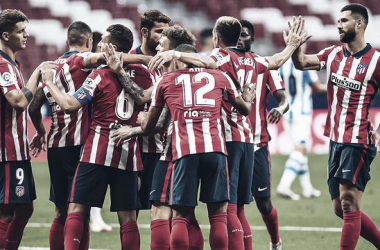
x=151 y=192
x=262 y=189
x=346 y=170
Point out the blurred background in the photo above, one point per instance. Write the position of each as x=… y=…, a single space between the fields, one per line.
x=48 y=22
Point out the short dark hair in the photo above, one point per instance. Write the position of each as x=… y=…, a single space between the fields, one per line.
x=150 y=16
x=9 y=18
x=96 y=38
x=204 y=34
x=78 y=33
x=178 y=35
x=186 y=48
x=228 y=29
x=247 y=24
x=358 y=11
x=121 y=36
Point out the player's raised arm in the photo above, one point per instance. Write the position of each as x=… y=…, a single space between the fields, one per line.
x=197 y=60
x=293 y=40
x=67 y=102
x=20 y=98
x=115 y=62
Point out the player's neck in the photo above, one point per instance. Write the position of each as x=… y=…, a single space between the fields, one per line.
x=8 y=51
x=79 y=48
x=355 y=46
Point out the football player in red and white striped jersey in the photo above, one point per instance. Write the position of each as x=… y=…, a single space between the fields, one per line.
x=353 y=73
x=18 y=191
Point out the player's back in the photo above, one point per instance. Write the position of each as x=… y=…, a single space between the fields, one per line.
x=194 y=97
x=14 y=136
x=68 y=129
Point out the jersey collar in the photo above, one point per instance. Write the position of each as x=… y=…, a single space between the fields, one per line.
x=3 y=54
x=69 y=53
x=139 y=51
x=358 y=54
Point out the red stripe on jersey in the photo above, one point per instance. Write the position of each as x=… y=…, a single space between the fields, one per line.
x=352 y=86
x=68 y=129
x=7 y=181
x=360 y=166
x=166 y=182
x=73 y=184
x=14 y=137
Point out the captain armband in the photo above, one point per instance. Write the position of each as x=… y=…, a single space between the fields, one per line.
x=83 y=96
x=27 y=93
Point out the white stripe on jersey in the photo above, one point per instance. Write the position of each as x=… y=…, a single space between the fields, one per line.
x=358 y=115
x=206 y=135
x=234 y=118
x=220 y=135
x=177 y=140
x=134 y=156
x=232 y=85
x=78 y=127
x=15 y=135
x=246 y=125
x=227 y=127
x=190 y=136
x=55 y=131
x=68 y=78
x=158 y=143
x=124 y=156
x=110 y=148
x=257 y=107
x=95 y=144
x=64 y=130
x=335 y=100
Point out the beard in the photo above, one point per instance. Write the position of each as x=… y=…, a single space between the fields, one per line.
x=151 y=44
x=348 y=36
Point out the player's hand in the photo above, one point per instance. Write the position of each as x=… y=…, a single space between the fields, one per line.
x=275 y=115
x=249 y=92
x=114 y=61
x=296 y=35
x=48 y=65
x=47 y=76
x=376 y=134
x=142 y=116
x=122 y=134
x=158 y=61
x=37 y=144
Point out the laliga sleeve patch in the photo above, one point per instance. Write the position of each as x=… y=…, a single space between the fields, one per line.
x=7 y=79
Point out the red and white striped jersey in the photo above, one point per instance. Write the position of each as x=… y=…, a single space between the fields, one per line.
x=112 y=107
x=352 y=84
x=152 y=143
x=268 y=82
x=14 y=137
x=194 y=97
x=68 y=129
x=243 y=67
x=167 y=154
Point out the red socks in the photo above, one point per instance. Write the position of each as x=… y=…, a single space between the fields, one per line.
x=369 y=231
x=271 y=221
x=73 y=230
x=56 y=235
x=218 y=231
x=130 y=236
x=3 y=233
x=350 y=230
x=85 y=242
x=195 y=236
x=160 y=234
x=234 y=227
x=15 y=232
x=246 y=228
x=179 y=239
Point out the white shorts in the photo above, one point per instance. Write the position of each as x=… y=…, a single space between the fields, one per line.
x=299 y=129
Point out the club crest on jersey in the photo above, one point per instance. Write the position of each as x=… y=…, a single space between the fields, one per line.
x=361 y=68
x=20 y=191
x=7 y=78
x=345 y=82
x=82 y=94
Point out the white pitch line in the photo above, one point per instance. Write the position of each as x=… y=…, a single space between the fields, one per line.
x=255 y=228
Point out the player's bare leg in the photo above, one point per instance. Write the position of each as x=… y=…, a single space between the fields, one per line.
x=129 y=232
x=160 y=215
x=217 y=213
x=74 y=226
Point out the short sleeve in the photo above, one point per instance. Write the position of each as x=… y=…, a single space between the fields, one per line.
x=273 y=80
x=8 y=78
x=323 y=56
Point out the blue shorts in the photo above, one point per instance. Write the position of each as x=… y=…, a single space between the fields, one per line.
x=17 y=182
x=210 y=169
x=161 y=182
x=63 y=162
x=349 y=161
x=149 y=161
x=240 y=168
x=261 y=181
x=91 y=182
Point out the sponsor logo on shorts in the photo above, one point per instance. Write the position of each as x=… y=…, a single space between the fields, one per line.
x=345 y=82
x=262 y=189
x=20 y=191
